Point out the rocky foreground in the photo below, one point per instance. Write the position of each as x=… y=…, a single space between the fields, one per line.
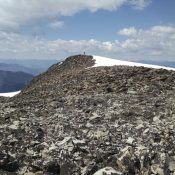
x=79 y=120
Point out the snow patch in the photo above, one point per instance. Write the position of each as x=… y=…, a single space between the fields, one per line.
x=107 y=171
x=9 y=94
x=104 y=61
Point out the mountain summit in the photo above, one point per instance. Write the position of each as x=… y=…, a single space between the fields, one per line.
x=82 y=118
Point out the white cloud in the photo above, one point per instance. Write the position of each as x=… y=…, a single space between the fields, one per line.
x=157 y=42
x=8 y=25
x=163 y=29
x=128 y=31
x=14 y=13
x=56 y=24
x=140 y=4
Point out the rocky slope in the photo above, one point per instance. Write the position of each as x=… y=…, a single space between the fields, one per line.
x=78 y=120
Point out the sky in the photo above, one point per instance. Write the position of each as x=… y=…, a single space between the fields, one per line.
x=122 y=29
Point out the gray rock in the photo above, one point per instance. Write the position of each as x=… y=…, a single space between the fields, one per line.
x=76 y=120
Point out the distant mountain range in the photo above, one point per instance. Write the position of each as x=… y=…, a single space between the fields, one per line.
x=13 y=81
x=18 y=68
x=161 y=63
x=15 y=74
x=33 y=67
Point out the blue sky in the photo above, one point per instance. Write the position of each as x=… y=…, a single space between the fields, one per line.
x=121 y=29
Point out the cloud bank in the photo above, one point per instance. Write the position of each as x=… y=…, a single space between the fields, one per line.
x=157 y=42
x=15 y=13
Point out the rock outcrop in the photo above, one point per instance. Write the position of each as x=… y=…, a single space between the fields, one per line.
x=79 y=120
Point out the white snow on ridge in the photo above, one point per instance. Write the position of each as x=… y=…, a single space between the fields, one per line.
x=107 y=171
x=9 y=94
x=104 y=61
